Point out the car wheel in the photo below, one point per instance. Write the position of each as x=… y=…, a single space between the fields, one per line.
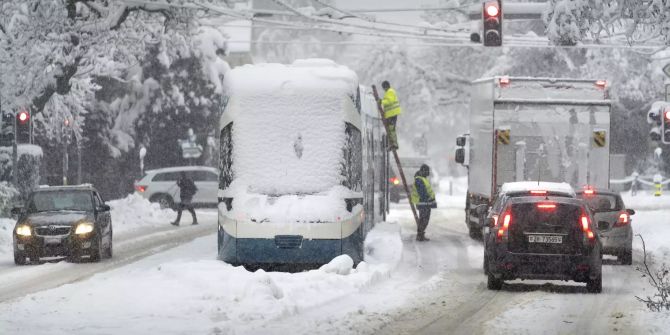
x=626 y=257
x=165 y=201
x=109 y=252
x=19 y=258
x=493 y=283
x=96 y=251
x=595 y=285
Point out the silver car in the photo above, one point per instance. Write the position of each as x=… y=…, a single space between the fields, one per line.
x=160 y=185
x=613 y=222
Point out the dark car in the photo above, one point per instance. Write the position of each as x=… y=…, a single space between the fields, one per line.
x=63 y=221
x=613 y=222
x=546 y=238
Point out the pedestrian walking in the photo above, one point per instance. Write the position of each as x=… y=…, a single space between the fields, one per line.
x=423 y=198
x=392 y=109
x=187 y=190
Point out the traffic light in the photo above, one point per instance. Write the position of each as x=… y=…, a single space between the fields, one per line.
x=23 y=127
x=665 y=126
x=492 y=15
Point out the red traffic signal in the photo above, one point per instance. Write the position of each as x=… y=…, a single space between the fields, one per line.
x=492 y=9
x=23 y=117
x=665 y=127
x=492 y=16
x=667 y=114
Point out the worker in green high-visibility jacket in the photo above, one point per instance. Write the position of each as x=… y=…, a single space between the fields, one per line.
x=392 y=109
x=423 y=198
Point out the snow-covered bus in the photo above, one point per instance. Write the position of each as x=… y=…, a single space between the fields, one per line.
x=302 y=164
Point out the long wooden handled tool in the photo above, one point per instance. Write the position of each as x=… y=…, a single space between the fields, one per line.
x=395 y=155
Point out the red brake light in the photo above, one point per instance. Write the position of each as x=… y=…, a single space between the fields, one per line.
x=623 y=220
x=586 y=227
x=503 y=81
x=546 y=206
x=395 y=181
x=507 y=219
x=538 y=192
x=589 y=192
x=667 y=115
x=601 y=83
x=140 y=188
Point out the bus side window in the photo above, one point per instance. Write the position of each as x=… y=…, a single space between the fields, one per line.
x=352 y=160
x=226 y=157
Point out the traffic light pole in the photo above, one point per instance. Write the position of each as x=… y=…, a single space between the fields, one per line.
x=15 y=157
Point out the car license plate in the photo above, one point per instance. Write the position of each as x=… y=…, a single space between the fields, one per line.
x=545 y=239
x=52 y=240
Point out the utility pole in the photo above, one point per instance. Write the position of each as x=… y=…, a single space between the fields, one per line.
x=15 y=156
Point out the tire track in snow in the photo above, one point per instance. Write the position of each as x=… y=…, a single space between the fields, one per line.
x=129 y=247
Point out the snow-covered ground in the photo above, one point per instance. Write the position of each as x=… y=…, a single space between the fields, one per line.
x=404 y=287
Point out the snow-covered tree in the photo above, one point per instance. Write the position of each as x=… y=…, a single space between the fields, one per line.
x=570 y=21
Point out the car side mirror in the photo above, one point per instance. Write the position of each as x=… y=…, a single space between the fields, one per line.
x=630 y=211
x=17 y=211
x=104 y=208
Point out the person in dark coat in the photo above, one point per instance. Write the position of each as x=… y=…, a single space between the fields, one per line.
x=187 y=190
x=423 y=198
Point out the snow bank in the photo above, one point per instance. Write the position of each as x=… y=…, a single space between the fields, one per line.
x=134 y=212
x=6 y=228
x=198 y=295
x=646 y=201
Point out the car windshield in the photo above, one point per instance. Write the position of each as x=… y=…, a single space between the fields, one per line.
x=602 y=202
x=73 y=200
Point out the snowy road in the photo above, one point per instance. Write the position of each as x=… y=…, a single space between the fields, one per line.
x=129 y=246
x=406 y=288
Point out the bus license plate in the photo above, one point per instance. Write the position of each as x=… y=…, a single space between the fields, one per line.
x=545 y=239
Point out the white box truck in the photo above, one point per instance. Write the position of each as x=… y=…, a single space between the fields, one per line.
x=533 y=129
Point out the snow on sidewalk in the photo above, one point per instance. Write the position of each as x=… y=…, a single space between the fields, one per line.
x=187 y=291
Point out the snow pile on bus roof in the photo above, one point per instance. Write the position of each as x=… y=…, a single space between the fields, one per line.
x=522 y=186
x=288 y=126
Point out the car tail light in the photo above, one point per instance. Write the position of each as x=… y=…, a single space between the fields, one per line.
x=394 y=181
x=601 y=83
x=623 y=220
x=504 y=227
x=546 y=206
x=140 y=188
x=589 y=191
x=585 y=224
x=503 y=81
x=538 y=192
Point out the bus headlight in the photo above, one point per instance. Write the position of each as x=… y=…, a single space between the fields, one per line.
x=84 y=228
x=23 y=230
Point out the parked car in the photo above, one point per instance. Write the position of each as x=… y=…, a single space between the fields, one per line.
x=160 y=185
x=69 y=221
x=513 y=190
x=613 y=222
x=549 y=238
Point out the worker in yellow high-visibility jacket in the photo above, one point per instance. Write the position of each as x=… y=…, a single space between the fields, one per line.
x=392 y=109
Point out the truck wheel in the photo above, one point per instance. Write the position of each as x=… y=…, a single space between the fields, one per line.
x=494 y=284
x=595 y=285
x=475 y=233
x=626 y=257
